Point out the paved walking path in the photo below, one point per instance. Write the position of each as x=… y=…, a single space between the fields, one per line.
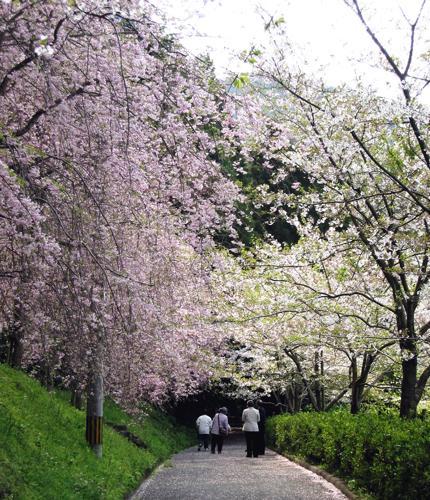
x=194 y=475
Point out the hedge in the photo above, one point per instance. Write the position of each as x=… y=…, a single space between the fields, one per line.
x=381 y=453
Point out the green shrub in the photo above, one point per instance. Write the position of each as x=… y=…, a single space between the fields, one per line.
x=382 y=453
x=43 y=453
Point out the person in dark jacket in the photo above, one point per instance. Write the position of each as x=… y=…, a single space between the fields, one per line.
x=262 y=428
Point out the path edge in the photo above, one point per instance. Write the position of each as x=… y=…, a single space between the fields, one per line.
x=335 y=481
x=146 y=479
x=144 y=482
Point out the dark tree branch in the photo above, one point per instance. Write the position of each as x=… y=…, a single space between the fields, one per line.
x=41 y=112
x=401 y=75
x=413 y=195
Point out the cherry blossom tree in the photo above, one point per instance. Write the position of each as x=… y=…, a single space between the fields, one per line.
x=107 y=146
x=365 y=160
x=300 y=330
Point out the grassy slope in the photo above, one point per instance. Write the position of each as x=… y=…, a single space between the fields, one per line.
x=43 y=453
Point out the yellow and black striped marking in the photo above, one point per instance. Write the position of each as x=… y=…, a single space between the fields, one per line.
x=94 y=430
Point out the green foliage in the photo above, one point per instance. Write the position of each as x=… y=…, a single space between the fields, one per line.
x=380 y=452
x=20 y=180
x=43 y=453
x=251 y=56
x=241 y=80
x=256 y=219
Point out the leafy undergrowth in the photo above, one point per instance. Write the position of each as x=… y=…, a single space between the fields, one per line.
x=43 y=453
x=377 y=452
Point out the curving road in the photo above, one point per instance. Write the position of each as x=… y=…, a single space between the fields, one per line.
x=193 y=475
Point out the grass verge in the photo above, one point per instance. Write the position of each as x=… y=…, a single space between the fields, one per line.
x=43 y=454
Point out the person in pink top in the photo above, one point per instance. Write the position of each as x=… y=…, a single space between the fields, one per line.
x=220 y=429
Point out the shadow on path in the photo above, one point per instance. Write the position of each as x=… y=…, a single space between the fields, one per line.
x=195 y=475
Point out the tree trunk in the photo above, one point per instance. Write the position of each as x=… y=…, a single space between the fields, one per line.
x=95 y=399
x=336 y=399
x=16 y=347
x=305 y=381
x=408 y=401
x=322 y=387
x=295 y=396
x=358 y=383
x=319 y=372
x=356 y=392
x=76 y=399
x=421 y=384
x=408 y=347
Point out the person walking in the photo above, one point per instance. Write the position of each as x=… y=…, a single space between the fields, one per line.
x=204 y=425
x=261 y=428
x=250 y=419
x=220 y=429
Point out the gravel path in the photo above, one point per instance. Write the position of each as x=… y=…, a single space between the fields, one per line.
x=194 y=475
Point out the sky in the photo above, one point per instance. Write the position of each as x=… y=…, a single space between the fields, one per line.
x=324 y=33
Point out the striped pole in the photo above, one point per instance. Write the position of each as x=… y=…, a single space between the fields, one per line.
x=94 y=427
x=94 y=430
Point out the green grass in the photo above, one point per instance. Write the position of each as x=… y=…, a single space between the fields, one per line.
x=43 y=453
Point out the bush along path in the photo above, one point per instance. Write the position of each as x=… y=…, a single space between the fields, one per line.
x=379 y=453
x=43 y=453
x=194 y=475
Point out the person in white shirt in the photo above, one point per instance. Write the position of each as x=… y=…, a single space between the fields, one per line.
x=250 y=419
x=204 y=426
